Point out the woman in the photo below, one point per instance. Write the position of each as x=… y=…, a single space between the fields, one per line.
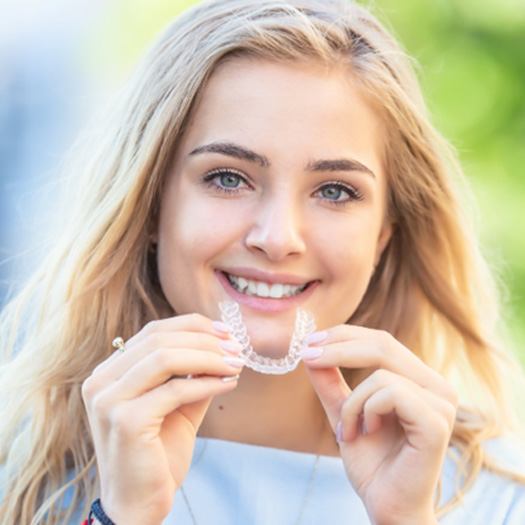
x=263 y=148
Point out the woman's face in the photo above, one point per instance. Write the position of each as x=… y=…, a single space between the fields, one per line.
x=278 y=180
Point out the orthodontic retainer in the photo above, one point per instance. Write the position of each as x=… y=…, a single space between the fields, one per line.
x=304 y=325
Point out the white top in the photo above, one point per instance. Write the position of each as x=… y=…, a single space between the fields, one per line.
x=233 y=483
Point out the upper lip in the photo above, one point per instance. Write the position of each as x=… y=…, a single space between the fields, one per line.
x=271 y=278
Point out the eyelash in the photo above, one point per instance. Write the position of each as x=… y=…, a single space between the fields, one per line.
x=354 y=195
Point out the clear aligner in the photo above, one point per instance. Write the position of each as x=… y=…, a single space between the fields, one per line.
x=304 y=325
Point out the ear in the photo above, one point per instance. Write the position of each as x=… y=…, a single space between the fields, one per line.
x=384 y=236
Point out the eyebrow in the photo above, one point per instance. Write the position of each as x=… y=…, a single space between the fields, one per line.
x=240 y=152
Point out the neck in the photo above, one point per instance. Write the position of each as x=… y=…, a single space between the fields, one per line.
x=273 y=411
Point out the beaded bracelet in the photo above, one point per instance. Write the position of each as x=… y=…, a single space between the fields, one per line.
x=98 y=512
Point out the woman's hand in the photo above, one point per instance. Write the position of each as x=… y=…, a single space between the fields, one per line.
x=394 y=427
x=144 y=413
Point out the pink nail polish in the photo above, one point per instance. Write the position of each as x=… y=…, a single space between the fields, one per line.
x=233 y=347
x=236 y=362
x=311 y=353
x=221 y=327
x=316 y=337
x=229 y=379
x=339 y=432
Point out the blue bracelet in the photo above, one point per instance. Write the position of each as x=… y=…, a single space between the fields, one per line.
x=98 y=512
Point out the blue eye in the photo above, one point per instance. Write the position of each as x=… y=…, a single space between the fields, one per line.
x=338 y=189
x=228 y=180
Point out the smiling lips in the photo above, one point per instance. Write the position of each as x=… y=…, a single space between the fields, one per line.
x=257 y=283
x=263 y=289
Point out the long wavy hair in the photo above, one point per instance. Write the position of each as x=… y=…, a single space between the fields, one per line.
x=432 y=288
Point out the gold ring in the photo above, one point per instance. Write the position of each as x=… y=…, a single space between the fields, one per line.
x=118 y=343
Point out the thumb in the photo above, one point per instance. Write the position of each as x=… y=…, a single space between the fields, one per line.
x=332 y=390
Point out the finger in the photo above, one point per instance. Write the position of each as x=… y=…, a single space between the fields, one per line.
x=366 y=402
x=193 y=322
x=424 y=429
x=164 y=363
x=104 y=364
x=160 y=402
x=351 y=346
x=116 y=366
x=189 y=323
x=332 y=390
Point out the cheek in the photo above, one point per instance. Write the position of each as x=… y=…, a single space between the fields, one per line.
x=348 y=258
x=193 y=229
x=348 y=247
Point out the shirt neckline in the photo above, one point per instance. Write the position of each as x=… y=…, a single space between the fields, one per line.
x=261 y=448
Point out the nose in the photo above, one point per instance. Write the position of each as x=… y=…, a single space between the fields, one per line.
x=276 y=229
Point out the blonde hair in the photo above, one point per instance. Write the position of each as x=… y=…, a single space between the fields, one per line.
x=432 y=289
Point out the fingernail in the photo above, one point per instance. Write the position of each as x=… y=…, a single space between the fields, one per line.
x=339 y=432
x=310 y=353
x=316 y=337
x=231 y=346
x=234 y=361
x=228 y=379
x=221 y=327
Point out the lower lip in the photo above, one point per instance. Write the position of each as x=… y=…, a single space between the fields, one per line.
x=265 y=304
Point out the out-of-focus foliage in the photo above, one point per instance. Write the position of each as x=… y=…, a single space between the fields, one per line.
x=471 y=62
x=471 y=57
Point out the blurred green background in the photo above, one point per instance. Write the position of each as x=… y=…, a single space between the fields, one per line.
x=472 y=68
x=471 y=62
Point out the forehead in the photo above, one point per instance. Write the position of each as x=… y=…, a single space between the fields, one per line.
x=305 y=108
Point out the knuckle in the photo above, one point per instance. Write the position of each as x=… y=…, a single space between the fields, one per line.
x=450 y=414
x=441 y=430
x=163 y=358
x=396 y=390
x=153 y=339
x=195 y=318
x=446 y=390
x=385 y=338
x=380 y=376
x=100 y=405
x=151 y=327
x=120 y=420
x=88 y=389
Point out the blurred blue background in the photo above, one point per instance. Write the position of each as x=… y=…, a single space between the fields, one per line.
x=59 y=59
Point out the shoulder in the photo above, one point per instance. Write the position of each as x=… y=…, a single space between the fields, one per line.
x=493 y=497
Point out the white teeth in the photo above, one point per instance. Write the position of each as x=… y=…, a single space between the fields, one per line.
x=260 y=289
x=243 y=283
x=263 y=290
x=277 y=290
x=252 y=288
